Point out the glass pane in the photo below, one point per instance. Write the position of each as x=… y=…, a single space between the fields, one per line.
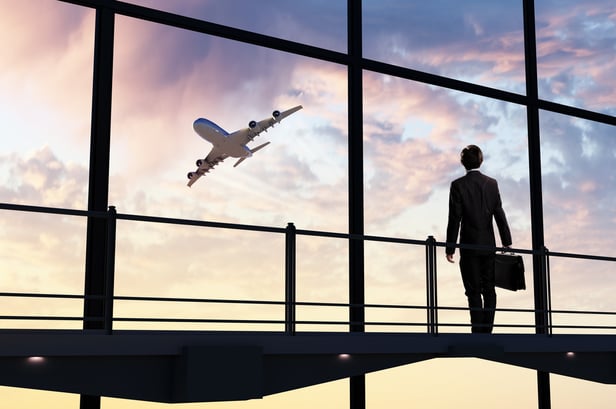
x=321 y=23
x=575 y=53
x=322 y=278
x=413 y=135
x=301 y=177
x=581 y=289
x=41 y=254
x=46 y=93
x=396 y=283
x=218 y=269
x=465 y=40
x=577 y=161
x=46 y=83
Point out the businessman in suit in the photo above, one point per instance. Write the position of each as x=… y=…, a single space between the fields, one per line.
x=474 y=201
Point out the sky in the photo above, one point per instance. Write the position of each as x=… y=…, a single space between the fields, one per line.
x=165 y=78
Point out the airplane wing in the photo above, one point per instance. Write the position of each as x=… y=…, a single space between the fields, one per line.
x=243 y=136
x=205 y=165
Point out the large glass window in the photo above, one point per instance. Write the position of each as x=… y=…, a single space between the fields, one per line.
x=159 y=91
x=580 y=213
x=165 y=77
x=45 y=83
x=413 y=135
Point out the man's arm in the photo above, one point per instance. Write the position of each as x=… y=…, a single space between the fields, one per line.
x=501 y=221
x=453 y=222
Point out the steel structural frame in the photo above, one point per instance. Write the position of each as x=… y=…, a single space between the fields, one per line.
x=356 y=64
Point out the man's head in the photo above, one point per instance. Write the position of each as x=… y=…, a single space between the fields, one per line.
x=471 y=157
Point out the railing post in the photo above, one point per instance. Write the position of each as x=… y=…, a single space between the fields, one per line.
x=431 y=291
x=545 y=274
x=290 y=258
x=110 y=268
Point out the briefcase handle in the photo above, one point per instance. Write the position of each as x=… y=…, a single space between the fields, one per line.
x=510 y=252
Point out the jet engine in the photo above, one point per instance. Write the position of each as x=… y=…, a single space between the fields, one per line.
x=190 y=175
x=199 y=162
x=276 y=114
x=252 y=124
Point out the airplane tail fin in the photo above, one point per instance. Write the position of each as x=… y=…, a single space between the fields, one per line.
x=251 y=152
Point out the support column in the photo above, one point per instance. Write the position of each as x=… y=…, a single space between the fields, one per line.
x=96 y=244
x=357 y=384
x=536 y=196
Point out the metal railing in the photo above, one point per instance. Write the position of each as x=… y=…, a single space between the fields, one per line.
x=290 y=303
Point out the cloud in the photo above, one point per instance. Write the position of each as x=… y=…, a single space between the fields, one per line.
x=42 y=179
x=40 y=252
x=578 y=184
x=320 y=23
x=478 y=44
x=413 y=136
x=575 y=54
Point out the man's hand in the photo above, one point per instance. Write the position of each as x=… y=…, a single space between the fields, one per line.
x=450 y=258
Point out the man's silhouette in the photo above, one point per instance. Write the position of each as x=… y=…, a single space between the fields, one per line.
x=474 y=200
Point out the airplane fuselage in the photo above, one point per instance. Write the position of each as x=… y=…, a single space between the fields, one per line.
x=221 y=139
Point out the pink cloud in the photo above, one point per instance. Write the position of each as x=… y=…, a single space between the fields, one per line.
x=575 y=55
x=42 y=179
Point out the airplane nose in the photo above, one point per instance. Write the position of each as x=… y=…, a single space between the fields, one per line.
x=198 y=123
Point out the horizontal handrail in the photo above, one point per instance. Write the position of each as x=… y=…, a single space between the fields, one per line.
x=272 y=229
x=280 y=303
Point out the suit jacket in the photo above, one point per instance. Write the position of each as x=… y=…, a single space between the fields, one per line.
x=474 y=200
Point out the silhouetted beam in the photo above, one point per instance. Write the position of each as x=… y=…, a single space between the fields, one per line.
x=199 y=367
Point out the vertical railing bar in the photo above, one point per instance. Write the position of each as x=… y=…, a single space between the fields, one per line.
x=110 y=269
x=428 y=292
x=431 y=286
x=435 y=284
x=431 y=282
x=548 y=289
x=290 y=278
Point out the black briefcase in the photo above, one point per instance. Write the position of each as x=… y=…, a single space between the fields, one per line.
x=509 y=271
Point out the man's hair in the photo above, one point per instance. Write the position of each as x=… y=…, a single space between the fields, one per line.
x=471 y=157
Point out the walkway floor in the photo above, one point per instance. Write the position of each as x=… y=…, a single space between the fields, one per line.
x=178 y=366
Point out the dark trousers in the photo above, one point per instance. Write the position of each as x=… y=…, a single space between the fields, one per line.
x=478 y=278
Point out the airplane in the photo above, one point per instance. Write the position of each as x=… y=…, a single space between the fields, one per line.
x=233 y=144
